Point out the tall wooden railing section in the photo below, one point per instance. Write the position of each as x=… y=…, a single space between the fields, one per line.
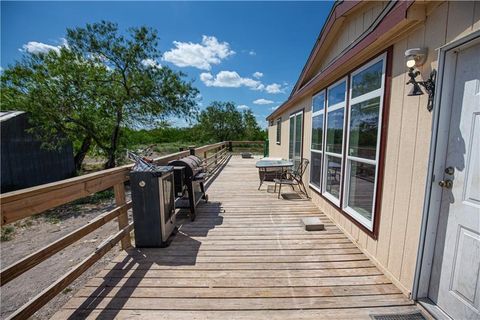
x=25 y=203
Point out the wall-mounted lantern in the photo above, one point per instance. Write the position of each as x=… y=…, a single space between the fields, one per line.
x=416 y=57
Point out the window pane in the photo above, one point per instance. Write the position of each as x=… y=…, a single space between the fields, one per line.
x=317 y=132
x=318 y=102
x=316 y=168
x=361 y=188
x=368 y=80
x=333 y=176
x=335 y=131
x=364 y=129
x=336 y=94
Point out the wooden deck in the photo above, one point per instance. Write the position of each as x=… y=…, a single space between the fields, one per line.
x=245 y=257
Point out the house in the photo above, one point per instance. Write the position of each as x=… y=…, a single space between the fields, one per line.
x=395 y=164
x=24 y=162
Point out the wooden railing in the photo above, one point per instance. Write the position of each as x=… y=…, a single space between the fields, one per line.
x=25 y=203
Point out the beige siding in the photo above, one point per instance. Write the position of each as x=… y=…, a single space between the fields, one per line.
x=281 y=150
x=408 y=139
x=352 y=28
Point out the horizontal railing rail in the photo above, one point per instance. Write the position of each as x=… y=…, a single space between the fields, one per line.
x=28 y=202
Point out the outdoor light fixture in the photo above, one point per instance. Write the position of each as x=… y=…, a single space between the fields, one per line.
x=415 y=58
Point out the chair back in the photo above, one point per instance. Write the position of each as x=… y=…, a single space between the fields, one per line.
x=300 y=169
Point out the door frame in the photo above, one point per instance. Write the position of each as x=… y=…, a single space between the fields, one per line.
x=436 y=163
x=293 y=115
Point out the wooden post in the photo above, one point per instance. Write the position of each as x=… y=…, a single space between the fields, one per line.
x=192 y=150
x=119 y=190
x=230 y=146
x=216 y=155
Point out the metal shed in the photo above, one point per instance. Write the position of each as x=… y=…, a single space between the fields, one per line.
x=24 y=163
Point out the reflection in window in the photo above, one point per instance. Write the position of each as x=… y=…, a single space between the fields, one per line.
x=336 y=94
x=335 y=131
x=361 y=188
x=318 y=102
x=368 y=80
x=364 y=129
x=317 y=132
x=315 y=168
x=333 y=175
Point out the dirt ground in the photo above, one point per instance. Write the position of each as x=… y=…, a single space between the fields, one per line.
x=33 y=233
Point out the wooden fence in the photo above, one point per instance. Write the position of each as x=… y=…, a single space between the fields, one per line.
x=25 y=203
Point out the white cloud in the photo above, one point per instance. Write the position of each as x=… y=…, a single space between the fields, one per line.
x=199 y=55
x=150 y=63
x=274 y=88
x=35 y=47
x=243 y=107
x=252 y=53
x=257 y=75
x=229 y=79
x=262 y=101
x=274 y=108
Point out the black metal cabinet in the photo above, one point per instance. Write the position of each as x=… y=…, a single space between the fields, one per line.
x=153 y=204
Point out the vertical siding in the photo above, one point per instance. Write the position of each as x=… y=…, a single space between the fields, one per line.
x=408 y=138
x=24 y=163
x=354 y=26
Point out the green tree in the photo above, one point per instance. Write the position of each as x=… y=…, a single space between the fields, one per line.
x=103 y=82
x=220 y=121
x=59 y=90
x=253 y=132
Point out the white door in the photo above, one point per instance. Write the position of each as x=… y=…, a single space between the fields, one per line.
x=455 y=285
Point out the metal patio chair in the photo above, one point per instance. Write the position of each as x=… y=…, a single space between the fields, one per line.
x=294 y=178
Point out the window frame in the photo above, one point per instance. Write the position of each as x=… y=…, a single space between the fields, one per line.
x=380 y=92
x=278 y=131
x=387 y=56
x=328 y=109
x=314 y=114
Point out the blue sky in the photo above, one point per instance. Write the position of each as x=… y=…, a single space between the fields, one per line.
x=250 y=53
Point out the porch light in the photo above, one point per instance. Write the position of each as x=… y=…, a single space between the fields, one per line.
x=416 y=57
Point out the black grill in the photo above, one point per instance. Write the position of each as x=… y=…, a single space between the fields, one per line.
x=189 y=183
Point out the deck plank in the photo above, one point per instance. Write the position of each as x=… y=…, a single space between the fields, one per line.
x=245 y=257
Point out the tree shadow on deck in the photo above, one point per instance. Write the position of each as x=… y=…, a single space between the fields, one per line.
x=126 y=276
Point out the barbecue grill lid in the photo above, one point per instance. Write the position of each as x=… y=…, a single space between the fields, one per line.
x=192 y=164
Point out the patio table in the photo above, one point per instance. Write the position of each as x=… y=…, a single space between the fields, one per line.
x=264 y=165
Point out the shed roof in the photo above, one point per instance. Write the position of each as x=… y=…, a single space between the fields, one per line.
x=7 y=115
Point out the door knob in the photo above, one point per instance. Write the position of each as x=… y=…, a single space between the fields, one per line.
x=447 y=184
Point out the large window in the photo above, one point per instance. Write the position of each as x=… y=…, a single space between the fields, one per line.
x=345 y=141
x=334 y=122
x=279 y=130
x=363 y=141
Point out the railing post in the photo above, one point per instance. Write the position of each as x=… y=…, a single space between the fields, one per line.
x=192 y=150
x=230 y=146
x=119 y=190
x=216 y=156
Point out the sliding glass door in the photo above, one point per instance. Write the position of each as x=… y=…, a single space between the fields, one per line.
x=295 y=137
